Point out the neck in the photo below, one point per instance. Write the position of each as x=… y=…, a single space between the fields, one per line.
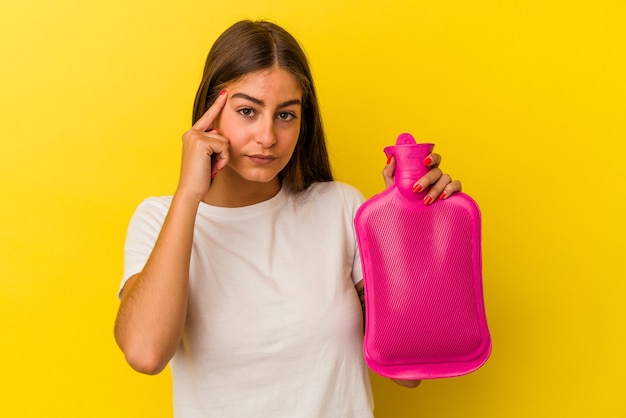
x=232 y=191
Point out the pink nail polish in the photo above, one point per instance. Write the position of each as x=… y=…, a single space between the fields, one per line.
x=223 y=92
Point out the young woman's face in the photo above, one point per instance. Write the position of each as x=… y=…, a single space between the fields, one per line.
x=262 y=121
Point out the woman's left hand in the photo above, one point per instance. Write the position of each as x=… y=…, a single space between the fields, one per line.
x=441 y=185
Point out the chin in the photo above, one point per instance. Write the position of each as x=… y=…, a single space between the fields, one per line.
x=260 y=178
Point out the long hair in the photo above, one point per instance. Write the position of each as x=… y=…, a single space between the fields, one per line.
x=247 y=47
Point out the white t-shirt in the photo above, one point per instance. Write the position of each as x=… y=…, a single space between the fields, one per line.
x=274 y=326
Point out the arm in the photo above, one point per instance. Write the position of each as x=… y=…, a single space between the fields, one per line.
x=153 y=306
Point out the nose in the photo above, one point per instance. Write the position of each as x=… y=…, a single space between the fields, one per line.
x=266 y=135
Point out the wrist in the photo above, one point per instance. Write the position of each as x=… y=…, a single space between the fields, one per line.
x=187 y=198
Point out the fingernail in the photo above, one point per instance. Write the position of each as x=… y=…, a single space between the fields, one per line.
x=389 y=159
x=442 y=196
x=428 y=160
x=214 y=131
x=223 y=92
x=428 y=200
x=417 y=188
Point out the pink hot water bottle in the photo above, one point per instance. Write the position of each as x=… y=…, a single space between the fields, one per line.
x=425 y=313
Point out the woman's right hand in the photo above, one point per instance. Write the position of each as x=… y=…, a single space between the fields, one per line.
x=205 y=152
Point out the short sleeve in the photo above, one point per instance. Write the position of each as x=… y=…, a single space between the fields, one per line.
x=353 y=199
x=143 y=230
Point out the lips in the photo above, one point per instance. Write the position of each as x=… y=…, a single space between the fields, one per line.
x=262 y=159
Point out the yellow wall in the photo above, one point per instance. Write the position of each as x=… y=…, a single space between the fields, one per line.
x=526 y=101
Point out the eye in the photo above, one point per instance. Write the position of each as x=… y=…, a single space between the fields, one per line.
x=246 y=112
x=286 y=116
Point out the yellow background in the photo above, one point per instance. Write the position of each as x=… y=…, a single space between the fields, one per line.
x=526 y=101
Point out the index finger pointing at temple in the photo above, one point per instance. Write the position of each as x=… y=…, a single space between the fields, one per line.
x=206 y=121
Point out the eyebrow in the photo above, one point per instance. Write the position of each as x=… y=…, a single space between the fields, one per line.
x=262 y=103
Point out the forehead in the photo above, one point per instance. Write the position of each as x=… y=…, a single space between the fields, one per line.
x=268 y=83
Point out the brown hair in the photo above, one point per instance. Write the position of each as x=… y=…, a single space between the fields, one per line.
x=247 y=47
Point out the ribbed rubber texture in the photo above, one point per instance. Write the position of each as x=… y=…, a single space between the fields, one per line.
x=425 y=314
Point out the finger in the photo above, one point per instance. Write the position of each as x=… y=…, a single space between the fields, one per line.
x=206 y=121
x=220 y=156
x=450 y=189
x=427 y=179
x=389 y=171
x=437 y=189
x=219 y=160
x=432 y=160
x=219 y=150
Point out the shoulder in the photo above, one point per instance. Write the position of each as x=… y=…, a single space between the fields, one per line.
x=336 y=189
x=332 y=196
x=152 y=210
x=145 y=225
x=155 y=204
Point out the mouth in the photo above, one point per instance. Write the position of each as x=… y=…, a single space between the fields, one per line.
x=262 y=159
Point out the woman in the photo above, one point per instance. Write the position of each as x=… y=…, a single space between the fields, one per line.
x=247 y=278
